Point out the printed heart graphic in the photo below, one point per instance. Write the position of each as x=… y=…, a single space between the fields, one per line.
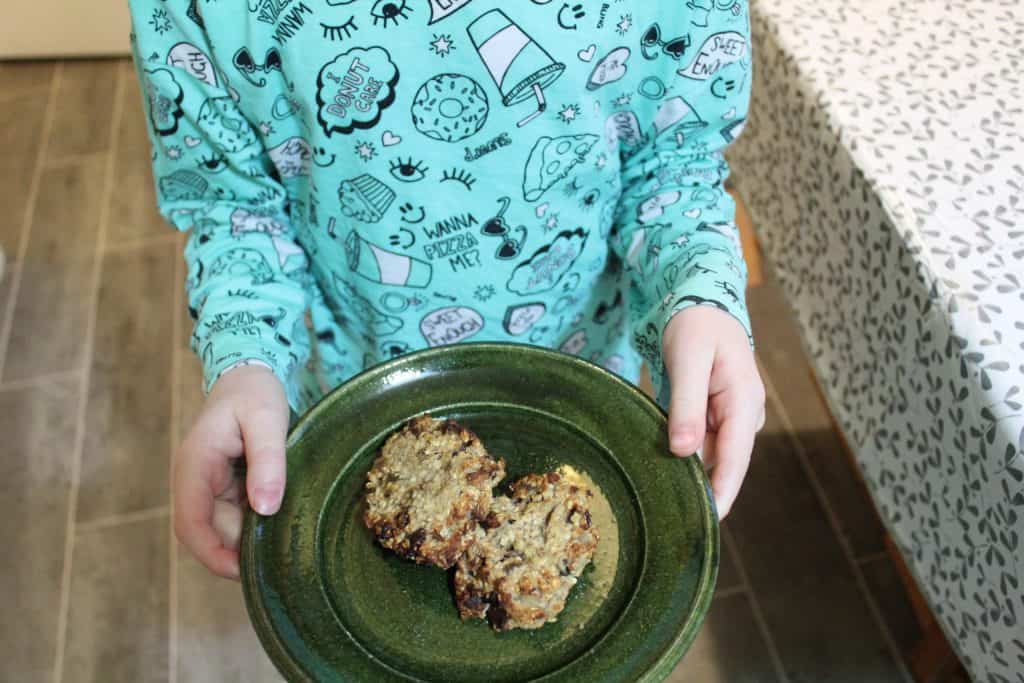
x=730 y=115
x=588 y=54
x=611 y=68
x=191 y=141
x=692 y=213
x=389 y=139
x=542 y=209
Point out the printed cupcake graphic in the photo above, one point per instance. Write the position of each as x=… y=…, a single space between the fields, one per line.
x=364 y=198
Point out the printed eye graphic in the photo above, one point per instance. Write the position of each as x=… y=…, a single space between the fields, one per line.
x=408 y=171
x=457 y=175
x=341 y=31
x=214 y=164
x=390 y=11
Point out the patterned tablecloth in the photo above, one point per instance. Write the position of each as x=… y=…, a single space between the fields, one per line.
x=883 y=166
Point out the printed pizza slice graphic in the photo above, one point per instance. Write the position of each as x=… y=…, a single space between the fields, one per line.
x=552 y=160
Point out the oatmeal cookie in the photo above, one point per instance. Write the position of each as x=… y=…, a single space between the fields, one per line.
x=428 y=489
x=527 y=554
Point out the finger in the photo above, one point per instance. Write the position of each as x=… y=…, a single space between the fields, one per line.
x=734 y=443
x=227 y=522
x=264 y=431
x=708 y=454
x=689 y=374
x=193 y=518
x=761 y=420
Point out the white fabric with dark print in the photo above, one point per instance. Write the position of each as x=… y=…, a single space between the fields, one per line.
x=884 y=169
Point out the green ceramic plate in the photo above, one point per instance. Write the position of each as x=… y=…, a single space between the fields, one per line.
x=330 y=605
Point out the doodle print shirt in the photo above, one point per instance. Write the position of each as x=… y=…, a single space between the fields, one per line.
x=363 y=178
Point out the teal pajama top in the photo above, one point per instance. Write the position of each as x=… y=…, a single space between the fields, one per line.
x=364 y=178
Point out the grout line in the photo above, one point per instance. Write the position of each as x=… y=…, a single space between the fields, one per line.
x=26 y=91
x=755 y=608
x=730 y=592
x=164 y=238
x=125 y=518
x=87 y=352
x=172 y=555
x=72 y=160
x=30 y=213
x=833 y=520
x=871 y=557
x=38 y=380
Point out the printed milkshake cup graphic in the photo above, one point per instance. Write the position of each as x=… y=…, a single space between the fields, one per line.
x=365 y=198
x=520 y=67
x=677 y=113
x=441 y=9
x=383 y=266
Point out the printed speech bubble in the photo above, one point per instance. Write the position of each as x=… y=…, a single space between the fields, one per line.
x=165 y=95
x=354 y=89
x=519 y=319
x=190 y=58
x=441 y=9
x=292 y=157
x=450 y=325
x=244 y=220
x=574 y=344
x=653 y=208
x=548 y=264
x=719 y=50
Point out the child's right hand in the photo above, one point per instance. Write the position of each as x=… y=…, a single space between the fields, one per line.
x=246 y=414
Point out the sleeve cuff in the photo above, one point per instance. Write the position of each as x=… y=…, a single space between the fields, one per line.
x=709 y=288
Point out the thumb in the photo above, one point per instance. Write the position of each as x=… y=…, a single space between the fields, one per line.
x=264 y=431
x=689 y=372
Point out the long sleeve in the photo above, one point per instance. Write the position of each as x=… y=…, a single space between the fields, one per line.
x=248 y=279
x=675 y=228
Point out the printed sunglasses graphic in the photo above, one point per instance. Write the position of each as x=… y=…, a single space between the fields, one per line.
x=245 y=63
x=651 y=41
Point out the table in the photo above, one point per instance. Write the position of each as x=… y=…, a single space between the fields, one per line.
x=883 y=166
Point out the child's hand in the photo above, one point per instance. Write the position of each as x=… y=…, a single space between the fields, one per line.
x=246 y=414
x=717 y=396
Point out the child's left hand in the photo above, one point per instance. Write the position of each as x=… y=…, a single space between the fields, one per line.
x=717 y=396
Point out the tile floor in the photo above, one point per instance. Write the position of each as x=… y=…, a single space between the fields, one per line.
x=97 y=387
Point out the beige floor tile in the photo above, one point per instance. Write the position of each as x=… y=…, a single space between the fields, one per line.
x=19 y=76
x=884 y=582
x=133 y=210
x=6 y=281
x=807 y=591
x=51 y=312
x=21 y=124
x=14 y=195
x=190 y=390
x=132 y=129
x=21 y=119
x=216 y=642
x=38 y=427
x=81 y=123
x=117 y=621
x=784 y=360
x=124 y=462
x=729 y=648
x=728 y=574
x=186 y=324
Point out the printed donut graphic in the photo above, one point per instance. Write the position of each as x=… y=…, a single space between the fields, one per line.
x=450 y=108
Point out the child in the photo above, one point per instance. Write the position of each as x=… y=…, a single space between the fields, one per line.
x=363 y=178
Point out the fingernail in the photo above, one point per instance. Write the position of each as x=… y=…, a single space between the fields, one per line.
x=264 y=500
x=683 y=439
